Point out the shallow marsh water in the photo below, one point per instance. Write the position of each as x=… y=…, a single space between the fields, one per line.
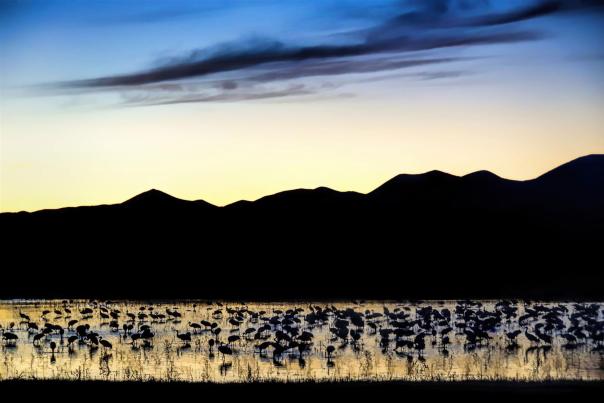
x=166 y=357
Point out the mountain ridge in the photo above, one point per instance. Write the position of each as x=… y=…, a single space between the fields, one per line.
x=431 y=235
x=587 y=170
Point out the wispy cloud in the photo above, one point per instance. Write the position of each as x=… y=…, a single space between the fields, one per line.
x=397 y=42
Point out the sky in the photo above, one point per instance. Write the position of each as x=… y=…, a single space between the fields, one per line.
x=223 y=100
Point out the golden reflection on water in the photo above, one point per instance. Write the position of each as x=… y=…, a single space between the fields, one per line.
x=169 y=359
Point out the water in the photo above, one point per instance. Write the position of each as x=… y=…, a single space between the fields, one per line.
x=167 y=357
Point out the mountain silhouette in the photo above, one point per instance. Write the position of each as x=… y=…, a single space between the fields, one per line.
x=430 y=235
x=156 y=199
x=302 y=199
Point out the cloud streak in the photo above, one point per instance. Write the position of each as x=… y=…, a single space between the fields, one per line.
x=431 y=25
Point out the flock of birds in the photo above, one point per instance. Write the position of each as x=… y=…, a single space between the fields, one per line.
x=404 y=330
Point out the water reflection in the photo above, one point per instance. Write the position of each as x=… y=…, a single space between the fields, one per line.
x=226 y=342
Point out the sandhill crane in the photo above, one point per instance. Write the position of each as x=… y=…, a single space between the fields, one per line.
x=545 y=337
x=531 y=337
x=9 y=338
x=71 y=340
x=106 y=344
x=196 y=327
x=232 y=339
x=93 y=340
x=224 y=350
x=512 y=335
x=147 y=335
x=37 y=338
x=263 y=346
x=184 y=337
x=135 y=337
x=571 y=339
x=330 y=349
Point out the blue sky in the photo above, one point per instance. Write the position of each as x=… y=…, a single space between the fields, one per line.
x=413 y=81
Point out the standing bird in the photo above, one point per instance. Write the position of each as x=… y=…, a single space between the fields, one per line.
x=37 y=338
x=184 y=337
x=512 y=335
x=232 y=339
x=106 y=344
x=330 y=349
x=532 y=338
x=196 y=327
x=71 y=340
x=224 y=350
x=53 y=346
x=10 y=338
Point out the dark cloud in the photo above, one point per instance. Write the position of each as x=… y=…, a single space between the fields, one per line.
x=278 y=52
x=425 y=25
x=152 y=98
x=346 y=66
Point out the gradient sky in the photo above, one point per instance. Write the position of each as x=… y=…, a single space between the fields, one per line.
x=226 y=100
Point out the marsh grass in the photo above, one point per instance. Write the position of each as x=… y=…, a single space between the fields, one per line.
x=170 y=361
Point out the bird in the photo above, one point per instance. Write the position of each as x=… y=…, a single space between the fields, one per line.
x=10 y=338
x=106 y=344
x=37 y=338
x=71 y=340
x=571 y=339
x=232 y=339
x=184 y=337
x=545 y=337
x=330 y=349
x=196 y=327
x=135 y=337
x=263 y=346
x=531 y=337
x=512 y=335
x=224 y=350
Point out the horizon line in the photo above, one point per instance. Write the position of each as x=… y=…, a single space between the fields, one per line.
x=315 y=188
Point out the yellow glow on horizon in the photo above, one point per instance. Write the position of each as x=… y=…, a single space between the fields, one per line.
x=227 y=152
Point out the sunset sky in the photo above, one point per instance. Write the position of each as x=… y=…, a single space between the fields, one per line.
x=226 y=100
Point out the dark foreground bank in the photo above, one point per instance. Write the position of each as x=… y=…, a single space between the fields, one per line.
x=493 y=390
x=429 y=236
